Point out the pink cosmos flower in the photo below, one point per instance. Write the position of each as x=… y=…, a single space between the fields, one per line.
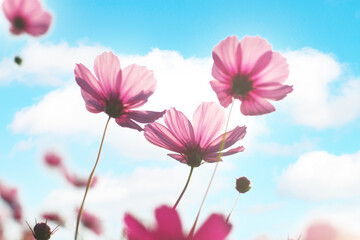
x=169 y=227
x=10 y=196
x=194 y=141
x=26 y=16
x=91 y=222
x=321 y=231
x=251 y=72
x=117 y=92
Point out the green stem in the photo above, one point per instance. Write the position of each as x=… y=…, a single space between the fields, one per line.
x=222 y=145
x=183 y=191
x=89 y=182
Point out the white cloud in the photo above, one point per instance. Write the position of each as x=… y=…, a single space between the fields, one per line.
x=314 y=102
x=47 y=64
x=294 y=149
x=322 y=176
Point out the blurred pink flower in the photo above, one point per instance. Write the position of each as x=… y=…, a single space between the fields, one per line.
x=117 y=92
x=91 y=222
x=51 y=216
x=169 y=227
x=52 y=159
x=321 y=231
x=1 y=230
x=251 y=72
x=10 y=196
x=26 y=16
x=79 y=182
x=194 y=141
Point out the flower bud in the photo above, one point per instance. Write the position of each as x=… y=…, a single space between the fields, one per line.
x=242 y=185
x=42 y=231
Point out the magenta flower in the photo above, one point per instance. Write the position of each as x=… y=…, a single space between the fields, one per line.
x=117 y=92
x=53 y=160
x=169 y=227
x=194 y=141
x=251 y=72
x=26 y=16
x=10 y=196
x=91 y=222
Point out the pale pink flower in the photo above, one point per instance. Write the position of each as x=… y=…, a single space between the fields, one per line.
x=251 y=72
x=169 y=227
x=26 y=16
x=91 y=222
x=321 y=231
x=10 y=196
x=195 y=141
x=117 y=92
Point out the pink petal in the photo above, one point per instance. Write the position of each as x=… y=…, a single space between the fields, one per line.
x=215 y=228
x=223 y=92
x=108 y=72
x=232 y=137
x=144 y=116
x=208 y=120
x=137 y=86
x=261 y=63
x=134 y=230
x=161 y=136
x=180 y=126
x=168 y=223
x=91 y=222
x=39 y=25
x=124 y=121
x=93 y=105
x=225 y=59
x=11 y=8
x=212 y=157
x=276 y=71
x=253 y=105
x=252 y=48
x=273 y=91
x=321 y=231
x=178 y=157
x=86 y=80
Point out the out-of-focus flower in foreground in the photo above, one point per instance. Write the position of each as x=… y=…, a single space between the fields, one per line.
x=10 y=196
x=91 y=222
x=321 y=231
x=169 y=227
x=117 y=92
x=1 y=230
x=194 y=141
x=26 y=16
x=251 y=72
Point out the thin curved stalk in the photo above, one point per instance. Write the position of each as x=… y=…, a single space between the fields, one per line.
x=89 y=182
x=222 y=145
x=183 y=191
x=228 y=217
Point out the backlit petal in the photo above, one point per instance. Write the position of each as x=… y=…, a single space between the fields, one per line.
x=224 y=58
x=108 y=72
x=253 y=105
x=180 y=126
x=223 y=92
x=208 y=120
x=161 y=136
x=144 y=116
x=232 y=137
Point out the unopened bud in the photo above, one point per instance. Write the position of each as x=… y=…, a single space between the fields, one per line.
x=242 y=185
x=42 y=231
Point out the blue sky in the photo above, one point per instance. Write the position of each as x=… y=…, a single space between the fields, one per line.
x=303 y=160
